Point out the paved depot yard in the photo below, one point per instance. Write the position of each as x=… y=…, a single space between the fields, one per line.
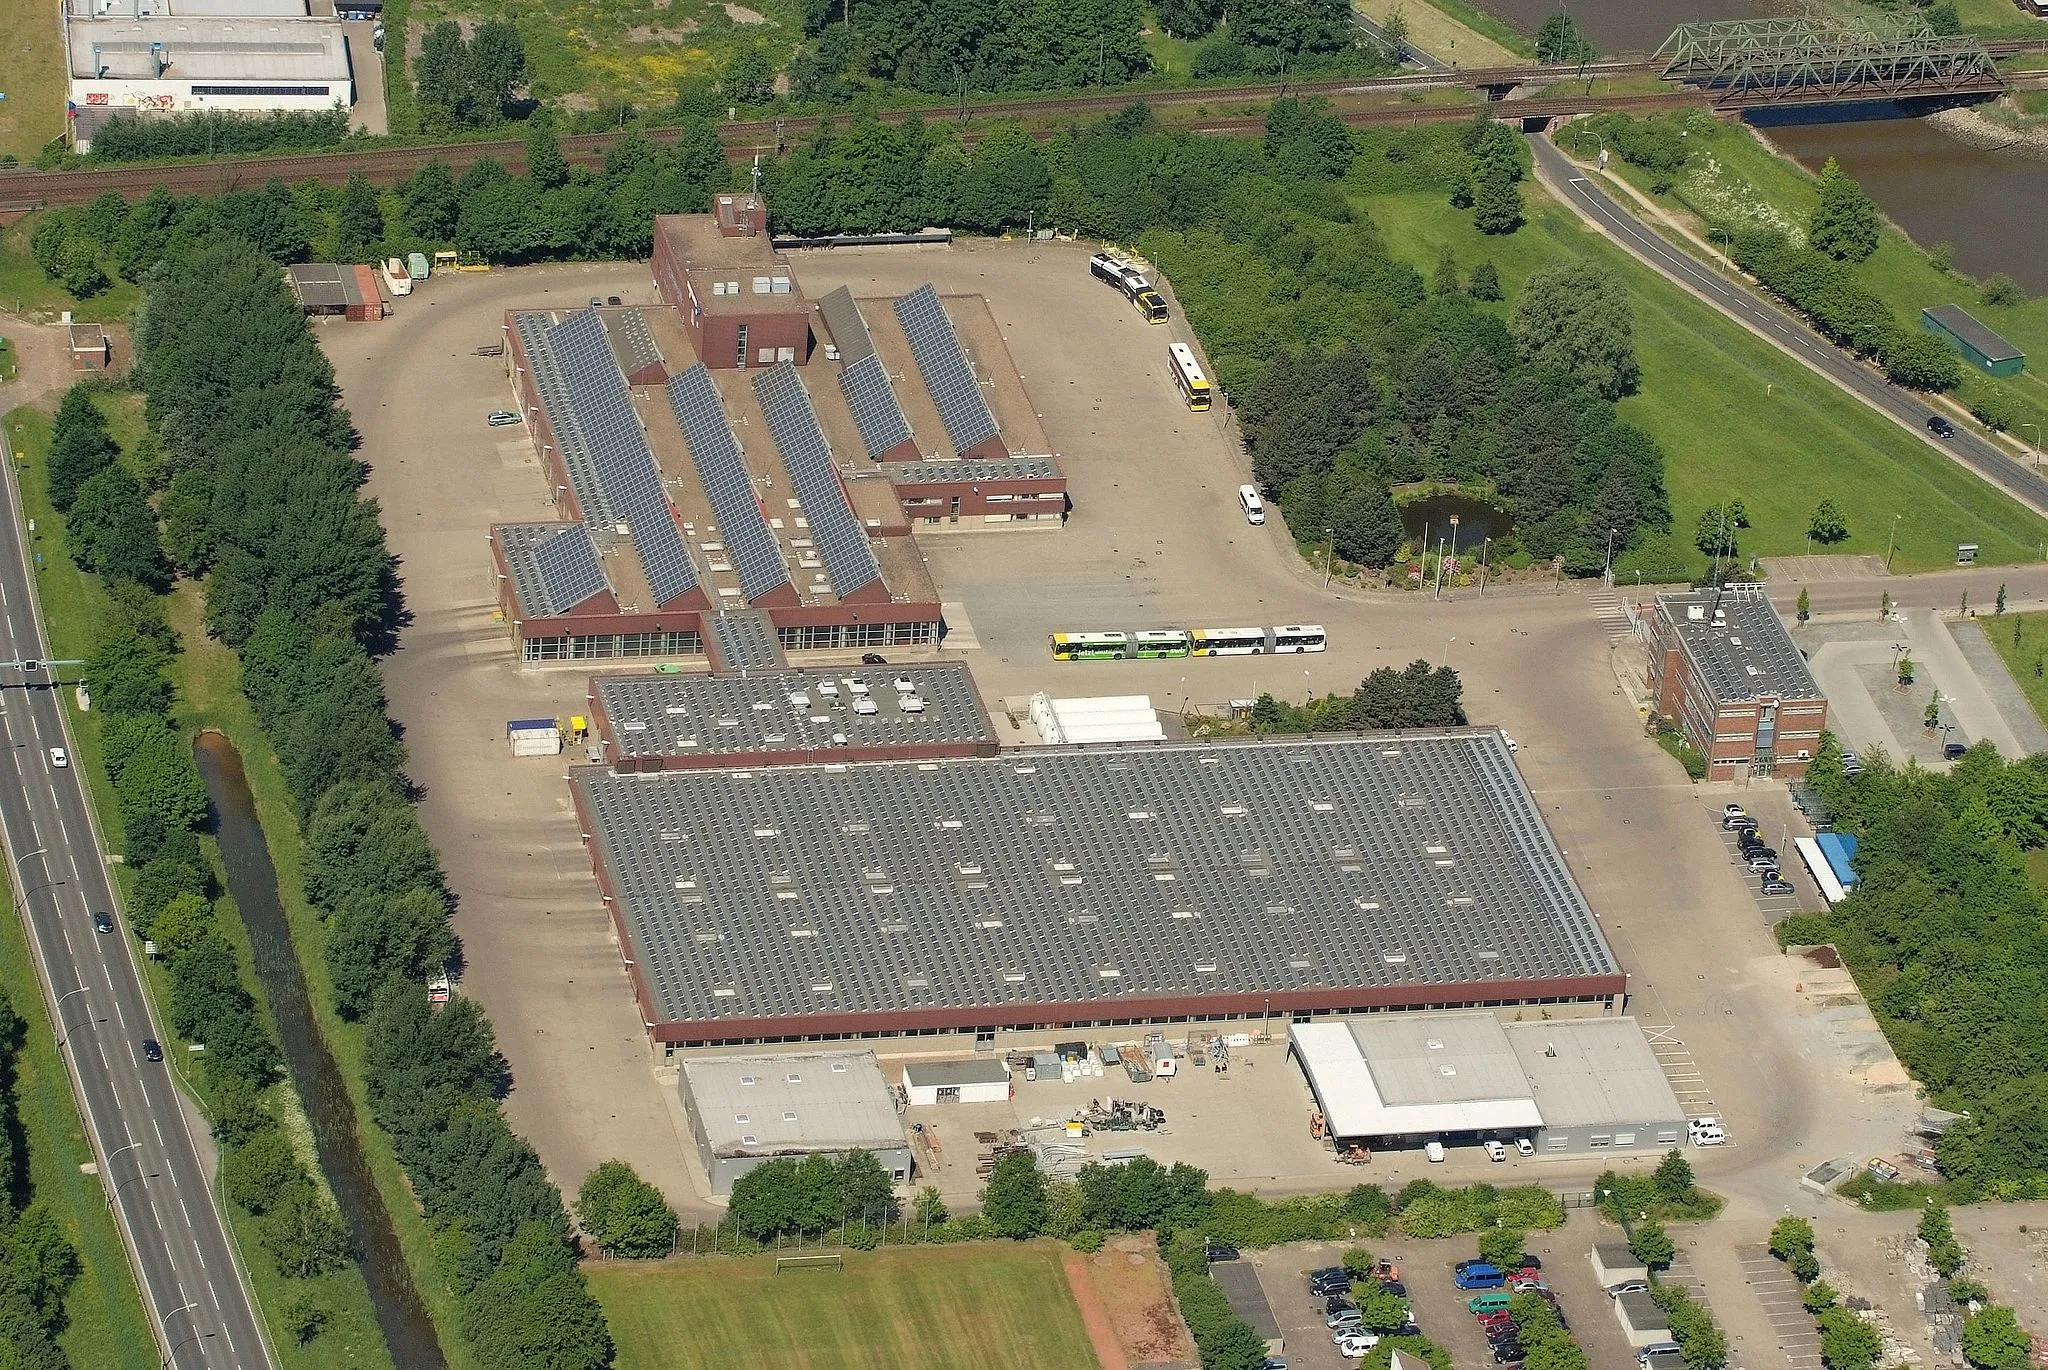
x=938 y=1308
x=1155 y=538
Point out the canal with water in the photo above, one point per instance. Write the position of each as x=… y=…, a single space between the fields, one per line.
x=252 y=880
x=1989 y=205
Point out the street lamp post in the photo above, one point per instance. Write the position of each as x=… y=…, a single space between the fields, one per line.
x=1607 y=572
x=1484 y=543
x=195 y=1335
x=1890 y=543
x=2037 y=440
x=1329 y=553
x=57 y=1011
x=1454 y=555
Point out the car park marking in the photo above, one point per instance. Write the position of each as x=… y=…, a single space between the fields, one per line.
x=1682 y=1073
x=1781 y=1298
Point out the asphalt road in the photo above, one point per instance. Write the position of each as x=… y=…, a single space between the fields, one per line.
x=158 y=1186
x=1788 y=332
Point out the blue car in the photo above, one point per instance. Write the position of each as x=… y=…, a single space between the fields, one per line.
x=1480 y=1275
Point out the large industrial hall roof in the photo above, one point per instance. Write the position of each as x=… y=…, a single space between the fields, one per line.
x=1113 y=882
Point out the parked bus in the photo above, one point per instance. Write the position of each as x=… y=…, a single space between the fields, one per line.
x=1152 y=642
x=1090 y=646
x=1227 y=641
x=1131 y=281
x=1187 y=374
x=1299 y=637
x=1817 y=866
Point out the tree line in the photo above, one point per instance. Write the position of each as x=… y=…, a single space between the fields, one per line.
x=263 y=503
x=1944 y=931
x=38 y=1264
x=1418 y=696
x=173 y=900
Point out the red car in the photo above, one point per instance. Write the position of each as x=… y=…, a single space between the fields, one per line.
x=1494 y=1319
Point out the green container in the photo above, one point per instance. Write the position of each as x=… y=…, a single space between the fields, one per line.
x=1493 y=1301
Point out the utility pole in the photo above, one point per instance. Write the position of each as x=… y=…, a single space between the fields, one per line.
x=1891 y=542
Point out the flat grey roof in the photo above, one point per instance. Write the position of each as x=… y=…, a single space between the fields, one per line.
x=323 y=285
x=705 y=715
x=844 y=322
x=1993 y=347
x=1395 y=861
x=1247 y=1296
x=765 y=1105
x=981 y=1072
x=1593 y=1071
x=1438 y=1058
x=1747 y=655
x=200 y=48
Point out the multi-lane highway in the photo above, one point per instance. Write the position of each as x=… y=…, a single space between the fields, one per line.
x=199 y=1303
x=2025 y=483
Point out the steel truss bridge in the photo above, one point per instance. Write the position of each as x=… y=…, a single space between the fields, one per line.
x=1823 y=60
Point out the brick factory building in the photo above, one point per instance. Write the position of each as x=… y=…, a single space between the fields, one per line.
x=1091 y=886
x=738 y=456
x=1726 y=671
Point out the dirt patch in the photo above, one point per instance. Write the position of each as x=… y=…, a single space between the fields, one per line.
x=42 y=358
x=1131 y=1282
x=740 y=14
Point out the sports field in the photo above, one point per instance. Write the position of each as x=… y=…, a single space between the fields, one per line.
x=979 y=1306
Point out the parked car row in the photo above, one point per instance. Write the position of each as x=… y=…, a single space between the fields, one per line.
x=1760 y=858
x=1491 y=1308
x=1342 y=1316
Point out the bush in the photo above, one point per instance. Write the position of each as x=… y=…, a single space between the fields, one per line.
x=1087 y=1239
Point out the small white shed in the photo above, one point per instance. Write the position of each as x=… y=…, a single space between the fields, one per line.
x=957 y=1082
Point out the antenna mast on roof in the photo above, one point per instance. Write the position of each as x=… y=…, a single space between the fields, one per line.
x=757 y=173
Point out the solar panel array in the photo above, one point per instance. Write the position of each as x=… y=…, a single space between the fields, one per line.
x=569 y=568
x=945 y=370
x=876 y=412
x=842 y=542
x=1374 y=861
x=626 y=471
x=552 y=381
x=720 y=466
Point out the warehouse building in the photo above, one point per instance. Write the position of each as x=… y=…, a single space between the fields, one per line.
x=326 y=288
x=134 y=58
x=747 y=1110
x=1725 y=670
x=984 y=1080
x=1569 y=1086
x=1091 y=886
x=676 y=519
x=790 y=717
x=1981 y=347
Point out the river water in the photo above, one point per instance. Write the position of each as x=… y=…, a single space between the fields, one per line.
x=252 y=880
x=1989 y=205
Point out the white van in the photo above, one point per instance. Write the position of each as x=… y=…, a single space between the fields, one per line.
x=1254 y=507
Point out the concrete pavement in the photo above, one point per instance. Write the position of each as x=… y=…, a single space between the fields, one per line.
x=157 y=1183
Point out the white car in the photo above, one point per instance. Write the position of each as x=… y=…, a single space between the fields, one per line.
x=59 y=758
x=1706 y=1132
x=1509 y=738
x=1354 y=1348
x=1732 y=811
x=1496 y=1152
x=1524 y=1147
x=1433 y=1151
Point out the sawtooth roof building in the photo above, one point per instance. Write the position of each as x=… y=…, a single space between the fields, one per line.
x=1090 y=886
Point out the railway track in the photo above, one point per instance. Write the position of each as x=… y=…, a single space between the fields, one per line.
x=24 y=190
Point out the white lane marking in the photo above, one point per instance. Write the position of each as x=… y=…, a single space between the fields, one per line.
x=118 y=1013
x=188 y=1212
x=159 y=1131
x=215 y=1292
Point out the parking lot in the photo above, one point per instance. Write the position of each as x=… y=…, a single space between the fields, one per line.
x=1779 y=1294
x=1778 y=823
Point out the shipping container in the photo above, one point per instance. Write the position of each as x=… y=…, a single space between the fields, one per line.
x=395 y=278
x=416 y=265
x=534 y=737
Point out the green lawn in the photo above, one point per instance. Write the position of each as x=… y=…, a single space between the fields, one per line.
x=1998 y=19
x=32 y=73
x=26 y=291
x=71 y=601
x=2027 y=659
x=978 y=1306
x=1736 y=417
x=1738 y=178
x=106 y=1325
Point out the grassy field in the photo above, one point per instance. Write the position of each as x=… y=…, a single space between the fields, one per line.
x=32 y=73
x=26 y=291
x=1736 y=417
x=1469 y=37
x=2027 y=658
x=971 y=1307
x=71 y=602
x=1998 y=19
x=1737 y=178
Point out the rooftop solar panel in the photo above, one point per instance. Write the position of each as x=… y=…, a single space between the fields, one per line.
x=569 y=568
x=876 y=412
x=842 y=542
x=944 y=367
x=721 y=467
